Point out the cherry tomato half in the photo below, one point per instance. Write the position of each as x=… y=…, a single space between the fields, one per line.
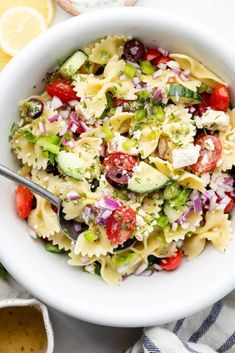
x=220 y=98
x=61 y=89
x=120 y=160
x=230 y=205
x=171 y=263
x=161 y=60
x=207 y=157
x=24 y=201
x=121 y=225
x=151 y=54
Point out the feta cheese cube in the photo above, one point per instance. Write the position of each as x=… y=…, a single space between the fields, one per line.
x=213 y=120
x=185 y=156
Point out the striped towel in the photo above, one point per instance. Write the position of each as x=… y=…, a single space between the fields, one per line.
x=212 y=330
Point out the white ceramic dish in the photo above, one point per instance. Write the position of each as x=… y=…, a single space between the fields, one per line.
x=18 y=302
x=138 y=301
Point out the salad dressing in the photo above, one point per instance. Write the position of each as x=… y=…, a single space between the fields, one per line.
x=22 y=330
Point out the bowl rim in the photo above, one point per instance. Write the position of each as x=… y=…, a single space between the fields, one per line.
x=145 y=319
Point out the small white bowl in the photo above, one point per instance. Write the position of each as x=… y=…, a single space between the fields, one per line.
x=138 y=301
x=7 y=303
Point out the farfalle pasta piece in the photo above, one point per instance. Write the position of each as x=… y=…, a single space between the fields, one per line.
x=217 y=230
x=120 y=122
x=109 y=272
x=104 y=50
x=79 y=260
x=60 y=239
x=227 y=139
x=198 y=70
x=29 y=153
x=148 y=141
x=192 y=222
x=156 y=82
x=101 y=246
x=183 y=177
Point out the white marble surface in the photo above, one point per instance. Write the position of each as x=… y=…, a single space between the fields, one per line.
x=73 y=335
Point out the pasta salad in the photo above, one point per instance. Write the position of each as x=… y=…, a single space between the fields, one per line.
x=139 y=144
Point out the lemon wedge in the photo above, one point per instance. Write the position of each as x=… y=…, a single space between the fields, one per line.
x=18 y=26
x=4 y=58
x=45 y=7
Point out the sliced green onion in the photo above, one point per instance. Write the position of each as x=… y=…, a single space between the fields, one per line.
x=130 y=70
x=90 y=236
x=50 y=144
x=147 y=68
x=162 y=221
x=53 y=248
x=140 y=114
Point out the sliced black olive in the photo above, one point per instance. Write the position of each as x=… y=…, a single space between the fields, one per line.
x=100 y=70
x=34 y=108
x=94 y=185
x=117 y=177
x=52 y=169
x=129 y=242
x=134 y=50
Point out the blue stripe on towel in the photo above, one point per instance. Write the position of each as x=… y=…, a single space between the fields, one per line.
x=208 y=322
x=189 y=349
x=148 y=344
x=178 y=325
x=227 y=344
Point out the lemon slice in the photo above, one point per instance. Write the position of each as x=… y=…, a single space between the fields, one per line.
x=18 y=26
x=4 y=58
x=45 y=7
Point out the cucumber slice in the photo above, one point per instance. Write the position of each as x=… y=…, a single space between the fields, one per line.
x=172 y=213
x=72 y=64
x=146 y=179
x=182 y=95
x=49 y=143
x=71 y=165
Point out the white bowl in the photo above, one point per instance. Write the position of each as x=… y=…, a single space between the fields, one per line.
x=138 y=301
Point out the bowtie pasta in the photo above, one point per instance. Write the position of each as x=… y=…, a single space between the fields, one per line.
x=139 y=144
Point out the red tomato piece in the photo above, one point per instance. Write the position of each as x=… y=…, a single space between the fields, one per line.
x=63 y=90
x=120 y=160
x=171 y=263
x=121 y=225
x=230 y=205
x=151 y=54
x=118 y=102
x=220 y=98
x=207 y=158
x=24 y=200
x=161 y=60
x=206 y=101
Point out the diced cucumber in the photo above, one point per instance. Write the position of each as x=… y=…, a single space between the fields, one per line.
x=147 y=68
x=49 y=143
x=183 y=95
x=162 y=221
x=71 y=165
x=171 y=191
x=140 y=115
x=72 y=64
x=146 y=179
x=172 y=213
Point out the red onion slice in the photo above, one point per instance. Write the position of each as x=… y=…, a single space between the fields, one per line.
x=73 y=195
x=197 y=205
x=184 y=217
x=53 y=118
x=158 y=94
x=108 y=204
x=42 y=127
